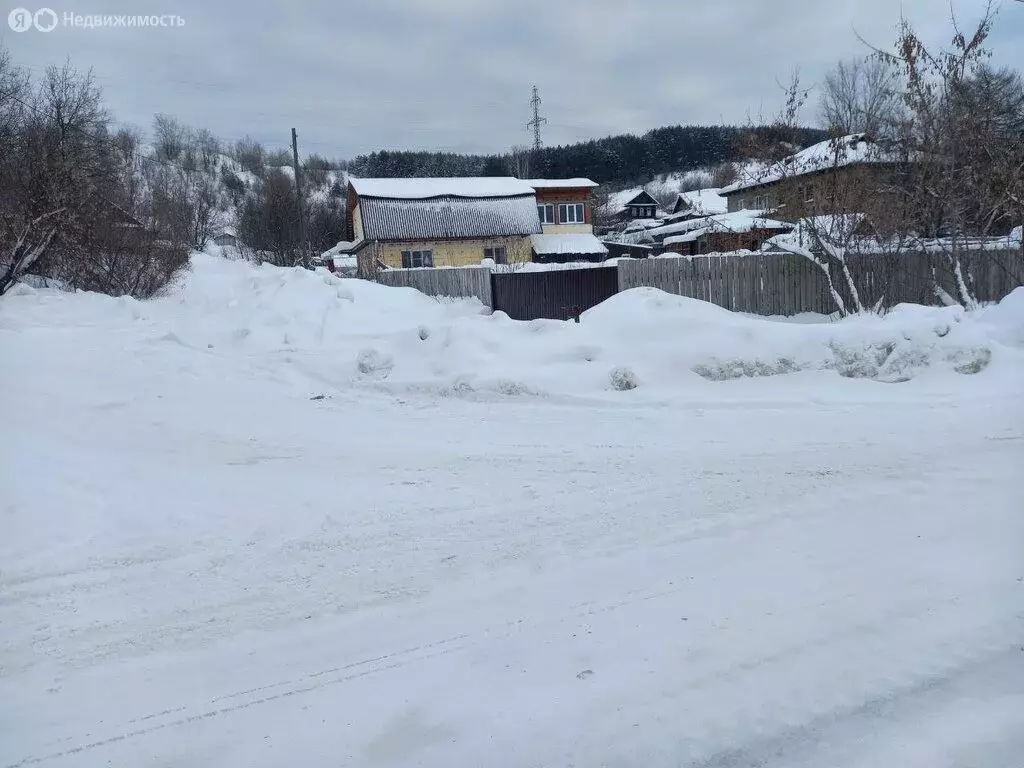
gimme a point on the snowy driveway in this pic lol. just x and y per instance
(371, 581)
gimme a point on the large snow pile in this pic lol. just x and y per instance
(341, 334)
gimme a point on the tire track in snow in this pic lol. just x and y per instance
(590, 609)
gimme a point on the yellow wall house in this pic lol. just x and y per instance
(441, 222)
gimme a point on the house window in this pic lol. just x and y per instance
(570, 213)
(546, 213)
(743, 204)
(498, 253)
(761, 202)
(412, 259)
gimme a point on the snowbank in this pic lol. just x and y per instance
(343, 334)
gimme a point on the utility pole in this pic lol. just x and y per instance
(298, 199)
(537, 120)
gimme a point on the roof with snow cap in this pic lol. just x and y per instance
(567, 244)
(426, 188)
(561, 183)
(701, 201)
(840, 152)
(737, 222)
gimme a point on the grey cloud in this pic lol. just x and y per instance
(456, 74)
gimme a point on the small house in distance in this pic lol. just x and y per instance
(433, 222)
(697, 203)
(631, 205)
(739, 231)
(226, 237)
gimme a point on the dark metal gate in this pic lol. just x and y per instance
(559, 294)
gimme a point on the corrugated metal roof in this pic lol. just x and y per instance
(448, 217)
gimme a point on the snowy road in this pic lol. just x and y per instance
(202, 566)
(537, 585)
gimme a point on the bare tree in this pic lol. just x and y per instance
(723, 175)
(964, 131)
(250, 155)
(209, 148)
(828, 226)
(520, 161)
(602, 218)
(268, 222)
(170, 138)
(72, 200)
(780, 138)
(29, 247)
(861, 96)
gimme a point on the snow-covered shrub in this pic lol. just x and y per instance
(623, 379)
(723, 370)
(969, 361)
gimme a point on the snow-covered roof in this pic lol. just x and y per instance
(230, 231)
(343, 246)
(439, 218)
(687, 237)
(567, 244)
(346, 262)
(737, 221)
(422, 189)
(637, 224)
(560, 183)
(832, 153)
(618, 201)
(702, 201)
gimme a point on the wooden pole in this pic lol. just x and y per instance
(298, 199)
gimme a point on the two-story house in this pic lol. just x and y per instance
(566, 212)
(433, 222)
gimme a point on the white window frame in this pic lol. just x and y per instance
(417, 259)
(546, 212)
(563, 210)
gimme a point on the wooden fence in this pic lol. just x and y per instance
(761, 283)
(786, 284)
(560, 294)
(460, 281)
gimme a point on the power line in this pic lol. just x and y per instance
(537, 120)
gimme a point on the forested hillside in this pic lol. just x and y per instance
(614, 160)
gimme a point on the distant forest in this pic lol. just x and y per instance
(616, 160)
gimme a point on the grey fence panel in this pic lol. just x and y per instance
(459, 282)
(786, 284)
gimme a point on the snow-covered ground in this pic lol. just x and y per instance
(278, 518)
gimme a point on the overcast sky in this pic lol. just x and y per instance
(456, 74)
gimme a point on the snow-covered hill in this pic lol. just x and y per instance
(277, 517)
